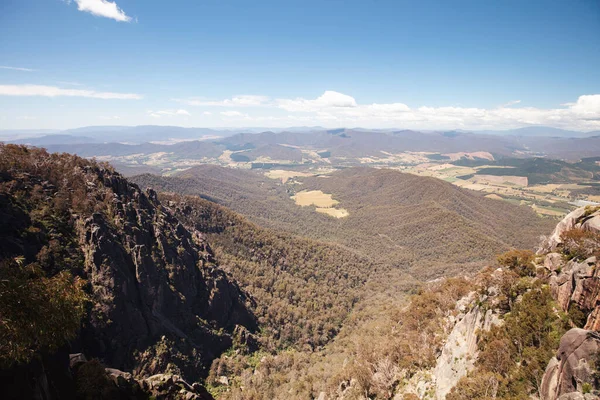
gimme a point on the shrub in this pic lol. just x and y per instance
(519, 261)
(36, 312)
(579, 244)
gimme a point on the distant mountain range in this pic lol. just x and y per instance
(535, 131)
(295, 144)
(149, 133)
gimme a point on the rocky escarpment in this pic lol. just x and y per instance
(575, 284)
(159, 296)
(158, 301)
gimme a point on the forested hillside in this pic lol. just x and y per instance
(420, 224)
(303, 289)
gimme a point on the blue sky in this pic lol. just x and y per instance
(371, 63)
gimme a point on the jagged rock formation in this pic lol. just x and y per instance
(573, 367)
(159, 303)
(158, 283)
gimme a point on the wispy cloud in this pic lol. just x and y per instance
(245, 100)
(53, 91)
(17, 68)
(169, 113)
(102, 8)
(511, 103)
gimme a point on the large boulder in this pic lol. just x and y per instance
(574, 369)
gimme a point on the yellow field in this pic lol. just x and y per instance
(314, 197)
(323, 201)
(516, 180)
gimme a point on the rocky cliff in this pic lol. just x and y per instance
(539, 297)
(575, 284)
(158, 301)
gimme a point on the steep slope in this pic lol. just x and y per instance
(395, 219)
(303, 289)
(159, 302)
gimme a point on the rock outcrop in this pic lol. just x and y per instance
(459, 353)
(460, 350)
(585, 218)
(575, 285)
(573, 371)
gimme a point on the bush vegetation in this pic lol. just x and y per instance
(42, 299)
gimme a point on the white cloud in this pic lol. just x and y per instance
(53, 91)
(339, 109)
(342, 110)
(108, 118)
(17, 68)
(245, 100)
(168, 113)
(329, 99)
(232, 113)
(102, 8)
(588, 105)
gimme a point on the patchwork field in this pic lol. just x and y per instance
(504, 179)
